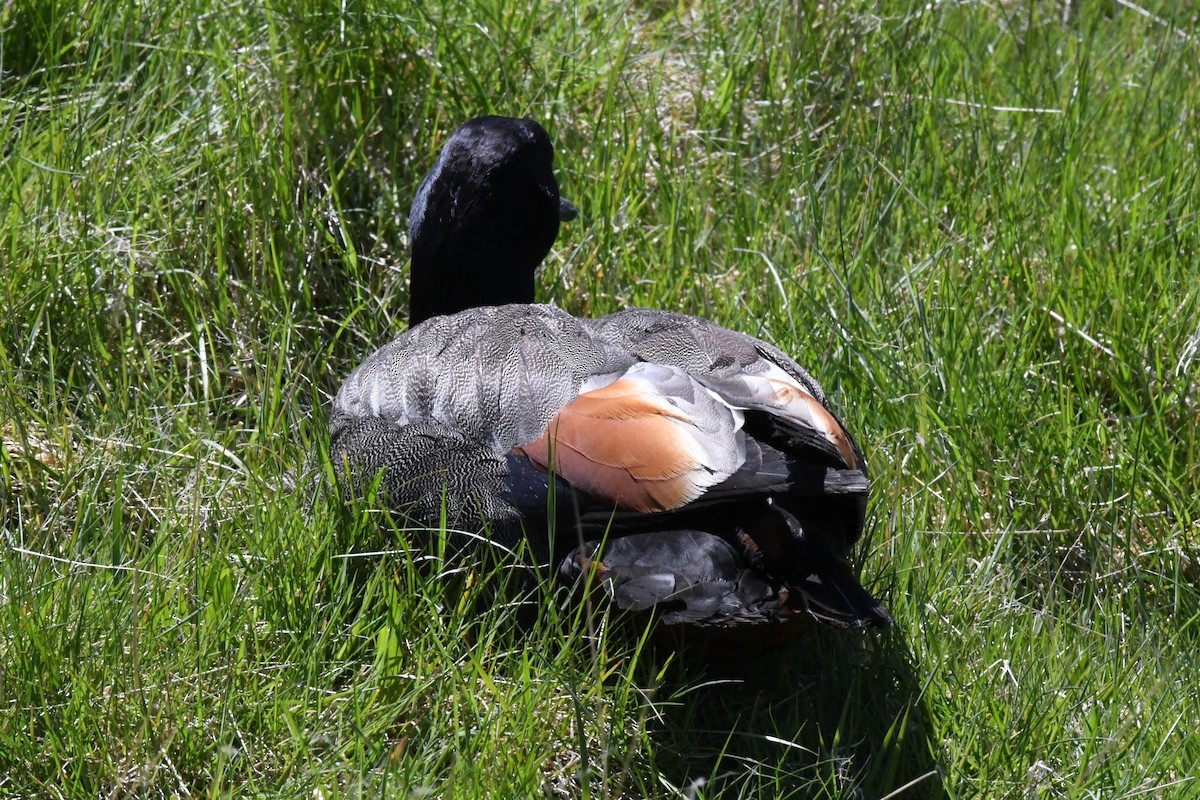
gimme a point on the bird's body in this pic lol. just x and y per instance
(686, 466)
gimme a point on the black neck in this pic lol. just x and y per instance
(483, 252)
(435, 290)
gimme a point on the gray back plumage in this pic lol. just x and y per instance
(436, 411)
(695, 344)
(498, 373)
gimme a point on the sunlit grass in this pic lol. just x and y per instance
(975, 223)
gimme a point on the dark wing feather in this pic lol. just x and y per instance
(690, 576)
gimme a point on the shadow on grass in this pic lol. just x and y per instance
(833, 714)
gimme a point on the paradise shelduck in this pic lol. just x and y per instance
(682, 466)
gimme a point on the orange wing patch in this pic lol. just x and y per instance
(625, 443)
(802, 405)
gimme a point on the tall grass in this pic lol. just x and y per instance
(976, 224)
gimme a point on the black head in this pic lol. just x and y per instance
(484, 218)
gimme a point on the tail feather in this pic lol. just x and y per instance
(834, 596)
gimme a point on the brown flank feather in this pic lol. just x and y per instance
(619, 443)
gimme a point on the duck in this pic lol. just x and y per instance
(677, 466)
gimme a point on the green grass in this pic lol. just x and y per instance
(977, 223)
